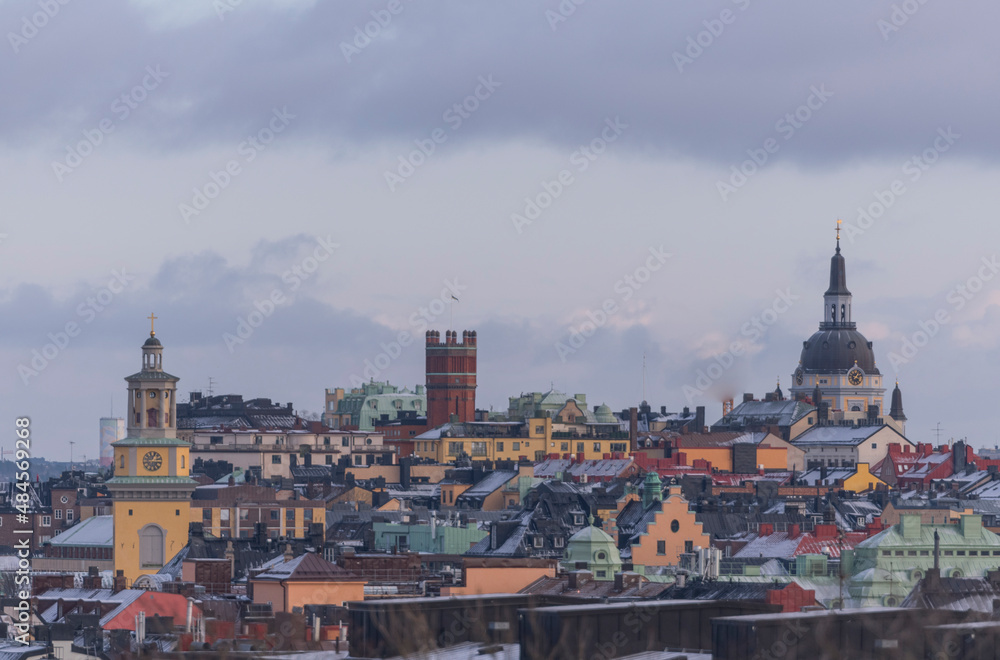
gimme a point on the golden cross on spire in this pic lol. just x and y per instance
(152, 327)
(839, 222)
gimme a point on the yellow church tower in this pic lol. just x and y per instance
(151, 488)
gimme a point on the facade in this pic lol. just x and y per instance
(305, 580)
(593, 550)
(151, 488)
(848, 444)
(234, 511)
(275, 451)
(739, 451)
(886, 567)
(666, 530)
(86, 544)
(112, 430)
(451, 377)
(532, 440)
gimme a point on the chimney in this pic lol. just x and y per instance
(118, 582)
(633, 428)
(747, 396)
(619, 583)
(766, 529)
(793, 531)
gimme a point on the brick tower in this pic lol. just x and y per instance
(451, 377)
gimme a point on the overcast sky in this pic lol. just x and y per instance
(342, 166)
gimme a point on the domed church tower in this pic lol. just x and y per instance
(837, 360)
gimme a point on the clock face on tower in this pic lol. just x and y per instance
(854, 378)
(152, 461)
(798, 376)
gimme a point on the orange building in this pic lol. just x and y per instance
(506, 575)
(741, 452)
(667, 529)
(306, 580)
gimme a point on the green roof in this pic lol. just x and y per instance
(152, 481)
(140, 442)
(950, 535)
(151, 375)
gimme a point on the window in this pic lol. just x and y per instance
(661, 547)
(58, 513)
(357, 459)
(949, 553)
(46, 521)
(619, 447)
(307, 515)
(258, 439)
(329, 459)
(224, 515)
(961, 553)
(500, 445)
(675, 526)
(516, 446)
(121, 462)
(275, 514)
(244, 514)
(206, 514)
(290, 515)
(215, 440)
(911, 553)
(275, 459)
(454, 448)
(601, 574)
(151, 546)
(874, 444)
(558, 542)
(563, 446)
(579, 447)
(69, 514)
(973, 553)
(344, 442)
(539, 541)
(597, 447)
(479, 449)
(326, 440)
(688, 546)
(925, 553)
(182, 461)
(539, 430)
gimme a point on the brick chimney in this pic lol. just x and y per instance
(766, 529)
(793, 531)
(118, 582)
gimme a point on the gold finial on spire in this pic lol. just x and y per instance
(152, 327)
(839, 222)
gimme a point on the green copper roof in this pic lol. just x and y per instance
(151, 375)
(142, 442)
(152, 481)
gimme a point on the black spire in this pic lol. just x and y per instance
(838, 271)
(896, 410)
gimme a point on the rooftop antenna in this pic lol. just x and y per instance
(937, 432)
(71, 443)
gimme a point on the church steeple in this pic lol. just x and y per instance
(896, 409)
(837, 299)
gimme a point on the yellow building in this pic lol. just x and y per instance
(151, 488)
(532, 440)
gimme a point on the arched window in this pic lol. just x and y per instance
(182, 461)
(121, 462)
(152, 418)
(151, 546)
(843, 312)
(833, 313)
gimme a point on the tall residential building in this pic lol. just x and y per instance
(112, 430)
(451, 377)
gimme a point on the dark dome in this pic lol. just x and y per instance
(836, 350)
(152, 341)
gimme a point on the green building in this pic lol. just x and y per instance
(593, 546)
(423, 537)
(885, 567)
(365, 406)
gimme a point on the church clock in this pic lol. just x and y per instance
(152, 461)
(855, 378)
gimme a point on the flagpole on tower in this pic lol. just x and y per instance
(451, 313)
